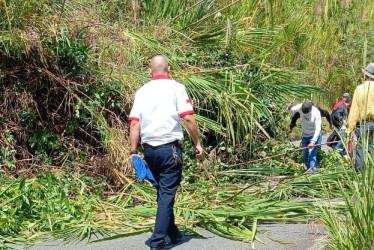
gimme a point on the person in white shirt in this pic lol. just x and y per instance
(159, 108)
(311, 125)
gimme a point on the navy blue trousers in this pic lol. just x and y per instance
(165, 163)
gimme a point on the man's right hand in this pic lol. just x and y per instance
(199, 152)
(311, 145)
(289, 106)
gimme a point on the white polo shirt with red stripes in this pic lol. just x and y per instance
(159, 106)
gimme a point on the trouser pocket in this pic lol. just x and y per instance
(177, 155)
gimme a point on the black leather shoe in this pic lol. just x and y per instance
(162, 246)
(177, 239)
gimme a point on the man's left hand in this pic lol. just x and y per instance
(311, 145)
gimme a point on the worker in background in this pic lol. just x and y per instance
(339, 119)
(159, 108)
(335, 136)
(342, 101)
(340, 115)
(311, 123)
(296, 116)
(361, 116)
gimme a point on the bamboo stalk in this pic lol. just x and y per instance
(7, 15)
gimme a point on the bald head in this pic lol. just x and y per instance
(159, 65)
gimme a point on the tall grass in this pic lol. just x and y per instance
(353, 227)
(222, 60)
(226, 52)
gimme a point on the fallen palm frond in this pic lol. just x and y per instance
(72, 209)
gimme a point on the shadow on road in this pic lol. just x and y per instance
(186, 238)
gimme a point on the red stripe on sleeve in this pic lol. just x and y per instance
(191, 112)
(133, 119)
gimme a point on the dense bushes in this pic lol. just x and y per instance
(53, 107)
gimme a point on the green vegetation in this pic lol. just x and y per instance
(352, 228)
(68, 73)
(74, 206)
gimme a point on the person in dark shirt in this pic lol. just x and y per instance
(342, 101)
(296, 116)
(340, 115)
(339, 119)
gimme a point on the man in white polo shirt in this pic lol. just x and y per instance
(159, 107)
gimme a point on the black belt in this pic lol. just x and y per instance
(175, 143)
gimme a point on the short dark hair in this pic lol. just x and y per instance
(307, 106)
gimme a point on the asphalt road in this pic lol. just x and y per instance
(297, 236)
